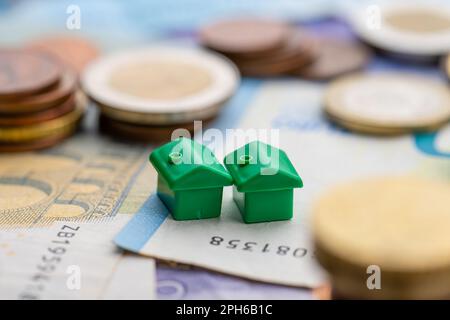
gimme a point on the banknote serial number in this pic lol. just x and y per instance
(251, 246)
(49, 262)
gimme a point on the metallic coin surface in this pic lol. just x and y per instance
(142, 133)
(412, 27)
(244, 36)
(39, 144)
(42, 100)
(389, 100)
(334, 58)
(25, 72)
(297, 52)
(162, 119)
(75, 52)
(26, 119)
(399, 224)
(166, 80)
(56, 126)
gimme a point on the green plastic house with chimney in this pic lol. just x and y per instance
(190, 179)
(264, 180)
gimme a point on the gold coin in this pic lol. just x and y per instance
(400, 224)
(389, 100)
(61, 125)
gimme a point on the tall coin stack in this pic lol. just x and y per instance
(38, 103)
(145, 94)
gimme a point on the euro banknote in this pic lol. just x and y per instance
(323, 154)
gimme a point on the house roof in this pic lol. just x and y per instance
(186, 164)
(261, 167)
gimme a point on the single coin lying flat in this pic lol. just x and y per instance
(412, 27)
(389, 100)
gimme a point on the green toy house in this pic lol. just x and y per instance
(190, 179)
(264, 180)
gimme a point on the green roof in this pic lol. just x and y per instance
(186, 164)
(261, 167)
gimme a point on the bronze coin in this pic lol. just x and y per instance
(334, 58)
(43, 100)
(244, 36)
(142, 133)
(43, 143)
(75, 52)
(25, 72)
(298, 51)
(41, 116)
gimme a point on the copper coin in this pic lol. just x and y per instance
(334, 58)
(244, 36)
(141, 133)
(297, 52)
(24, 72)
(43, 143)
(43, 100)
(41, 116)
(73, 51)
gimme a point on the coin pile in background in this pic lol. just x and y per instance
(408, 30)
(145, 94)
(75, 52)
(264, 48)
(387, 103)
(38, 103)
(393, 228)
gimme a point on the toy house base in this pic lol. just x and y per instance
(264, 206)
(191, 204)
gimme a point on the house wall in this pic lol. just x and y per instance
(198, 204)
(166, 195)
(268, 205)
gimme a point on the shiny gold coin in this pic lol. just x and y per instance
(399, 224)
(56, 126)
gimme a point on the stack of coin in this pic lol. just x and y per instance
(387, 103)
(407, 29)
(335, 57)
(38, 106)
(385, 238)
(260, 47)
(145, 94)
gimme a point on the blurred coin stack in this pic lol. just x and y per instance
(387, 103)
(38, 102)
(145, 94)
(264, 48)
(385, 238)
